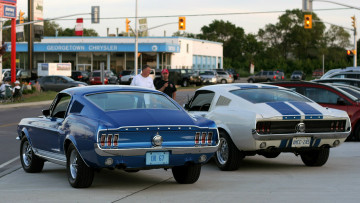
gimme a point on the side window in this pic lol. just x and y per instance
(271, 73)
(321, 95)
(61, 105)
(351, 76)
(201, 101)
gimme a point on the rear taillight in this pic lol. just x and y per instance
(209, 139)
(263, 127)
(197, 138)
(282, 77)
(109, 139)
(203, 138)
(274, 76)
(102, 140)
(115, 141)
(80, 76)
(337, 126)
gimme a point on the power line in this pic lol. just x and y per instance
(208, 14)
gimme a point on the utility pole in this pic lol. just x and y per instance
(30, 32)
(136, 40)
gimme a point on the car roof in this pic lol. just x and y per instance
(105, 88)
(236, 86)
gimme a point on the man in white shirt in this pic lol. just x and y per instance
(3, 88)
(143, 79)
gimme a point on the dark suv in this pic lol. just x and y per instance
(264, 76)
(78, 75)
(184, 77)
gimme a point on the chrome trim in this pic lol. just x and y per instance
(50, 156)
(327, 135)
(142, 151)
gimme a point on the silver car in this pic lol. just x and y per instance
(224, 77)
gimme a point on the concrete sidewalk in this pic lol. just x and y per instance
(283, 179)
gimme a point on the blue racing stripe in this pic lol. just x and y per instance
(283, 143)
(309, 111)
(283, 108)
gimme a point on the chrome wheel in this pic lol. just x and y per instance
(222, 153)
(27, 154)
(73, 164)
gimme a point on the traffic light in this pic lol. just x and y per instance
(351, 52)
(182, 23)
(127, 25)
(308, 21)
(21, 17)
(353, 21)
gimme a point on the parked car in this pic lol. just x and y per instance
(184, 77)
(331, 96)
(116, 127)
(298, 75)
(317, 73)
(264, 76)
(58, 83)
(21, 75)
(345, 81)
(78, 75)
(207, 76)
(342, 73)
(268, 120)
(234, 73)
(126, 76)
(224, 77)
(95, 78)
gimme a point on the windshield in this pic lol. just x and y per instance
(264, 95)
(114, 101)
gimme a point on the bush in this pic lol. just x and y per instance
(27, 91)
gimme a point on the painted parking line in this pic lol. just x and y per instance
(7, 125)
(9, 162)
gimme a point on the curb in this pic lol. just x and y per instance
(6, 106)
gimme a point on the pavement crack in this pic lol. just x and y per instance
(141, 190)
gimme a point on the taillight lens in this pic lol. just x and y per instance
(274, 76)
(102, 140)
(203, 138)
(197, 138)
(115, 141)
(109, 139)
(210, 135)
(263, 127)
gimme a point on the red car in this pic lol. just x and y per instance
(95, 79)
(341, 97)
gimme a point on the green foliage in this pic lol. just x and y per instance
(27, 91)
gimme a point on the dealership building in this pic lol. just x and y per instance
(117, 53)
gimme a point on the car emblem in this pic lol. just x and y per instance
(300, 127)
(157, 140)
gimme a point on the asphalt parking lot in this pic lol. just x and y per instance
(284, 179)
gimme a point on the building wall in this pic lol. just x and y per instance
(197, 54)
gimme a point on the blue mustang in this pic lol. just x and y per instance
(124, 127)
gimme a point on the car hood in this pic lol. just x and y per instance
(148, 117)
(292, 110)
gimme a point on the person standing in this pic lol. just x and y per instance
(143, 79)
(3, 88)
(166, 86)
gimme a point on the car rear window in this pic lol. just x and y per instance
(264, 95)
(114, 101)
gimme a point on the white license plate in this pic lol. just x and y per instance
(157, 158)
(301, 142)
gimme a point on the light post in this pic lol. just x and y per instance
(136, 41)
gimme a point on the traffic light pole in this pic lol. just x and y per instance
(355, 48)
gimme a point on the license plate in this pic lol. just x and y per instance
(157, 158)
(300, 142)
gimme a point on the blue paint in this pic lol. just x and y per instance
(309, 111)
(283, 108)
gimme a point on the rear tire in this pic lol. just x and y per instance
(227, 157)
(223, 81)
(185, 83)
(251, 81)
(29, 161)
(79, 174)
(315, 157)
(187, 174)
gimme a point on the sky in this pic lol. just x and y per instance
(251, 22)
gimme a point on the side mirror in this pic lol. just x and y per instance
(340, 101)
(46, 112)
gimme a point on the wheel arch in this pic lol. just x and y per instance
(71, 140)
